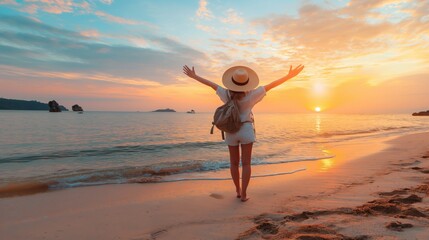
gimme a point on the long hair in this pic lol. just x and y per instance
(237, 95)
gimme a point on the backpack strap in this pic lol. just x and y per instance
(211, 131)
(253, 122)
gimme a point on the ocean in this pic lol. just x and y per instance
(69, 149)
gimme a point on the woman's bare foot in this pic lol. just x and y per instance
(244, 198)
(238, 193)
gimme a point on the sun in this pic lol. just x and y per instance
(317, 109)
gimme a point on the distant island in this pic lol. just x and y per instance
(421, 113)
(164, 110)
(15, 104)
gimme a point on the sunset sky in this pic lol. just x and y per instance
(360, 56)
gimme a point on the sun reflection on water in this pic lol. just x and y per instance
(318, 123)
(327, 163)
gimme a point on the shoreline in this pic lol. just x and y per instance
(209, 209)
(146, 174)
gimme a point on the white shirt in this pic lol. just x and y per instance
(245, 104)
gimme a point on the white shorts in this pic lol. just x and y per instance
(245, 135)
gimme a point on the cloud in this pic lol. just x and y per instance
(70, 6)
(35, 27)
(11, 72)
(8, 2)
(40, 47)
(235, 32)
(363, 8)
(206, 28)
(203, 12)
(346, 36)
(319, 31)
(232, 17)
(90, 33)
(120, 20)
(108, 2)
(57, 7)
(31, 8)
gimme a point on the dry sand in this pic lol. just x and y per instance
(370, 190)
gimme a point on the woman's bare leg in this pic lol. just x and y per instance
(246, 156)
(234, 159)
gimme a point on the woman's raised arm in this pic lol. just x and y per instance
(292, 73)
(191, 73)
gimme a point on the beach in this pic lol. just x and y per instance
(369, 190)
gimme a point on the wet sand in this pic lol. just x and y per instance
(369, 190)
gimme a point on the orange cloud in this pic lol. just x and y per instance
(15, 71)
(57, 7)
(203, 12)
(90, 33)
(120, 20)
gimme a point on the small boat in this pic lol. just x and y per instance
(192, 111)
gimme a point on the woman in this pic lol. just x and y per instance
(241, 83)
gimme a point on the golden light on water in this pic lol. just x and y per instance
(318, 121)
(326, 163)
(317, 109)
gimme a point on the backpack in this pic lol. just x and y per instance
(227, 117)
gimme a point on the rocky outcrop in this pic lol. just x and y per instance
(165, 110)
(77, 108)
(54, 106)
(421, 113)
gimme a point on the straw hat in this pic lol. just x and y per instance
(240, 79)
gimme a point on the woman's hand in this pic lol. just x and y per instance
(295, 71)
(190, 73)
(292, 73)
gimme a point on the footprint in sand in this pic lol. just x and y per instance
(422, 170)
(216, 195)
